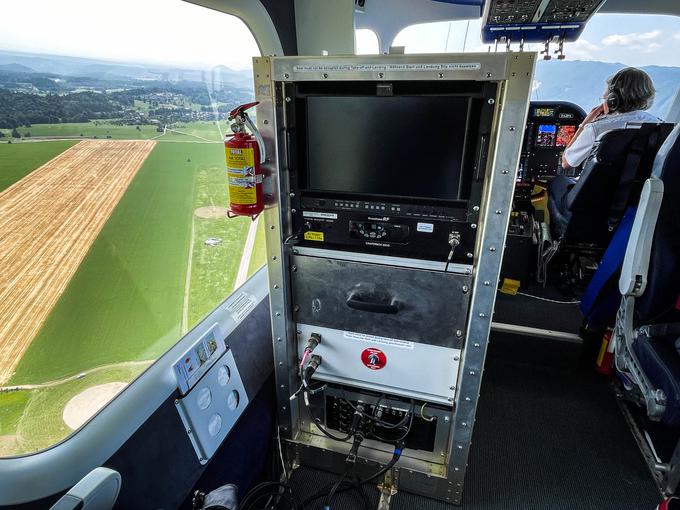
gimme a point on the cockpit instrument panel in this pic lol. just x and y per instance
(550, 128)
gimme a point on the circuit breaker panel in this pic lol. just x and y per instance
(388, 186)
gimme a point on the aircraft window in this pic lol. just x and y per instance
(114, 238)
(608, 43)
(366, 42)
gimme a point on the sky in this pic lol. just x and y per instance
(177, 33)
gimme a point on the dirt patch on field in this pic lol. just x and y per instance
(9, 445)
(48, 221)
(211, 212)
(86, 404)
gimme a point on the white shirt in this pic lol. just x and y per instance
(580, 149)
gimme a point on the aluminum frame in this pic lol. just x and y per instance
(514, 74)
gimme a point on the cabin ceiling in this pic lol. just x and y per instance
(647, 7)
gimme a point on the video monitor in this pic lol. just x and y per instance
(564, 135)
(411, 146)
(545, 137)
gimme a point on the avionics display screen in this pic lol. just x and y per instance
(564, 135)
(544, 112)
(397, 145)
(545, 137)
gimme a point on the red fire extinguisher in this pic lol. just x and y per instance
(245, 153)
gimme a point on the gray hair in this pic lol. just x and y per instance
(634, 88)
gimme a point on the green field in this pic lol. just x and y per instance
(186, 131)
(36, 415)
(214, 268)
(259, 256)
(126, 301)
(19, 159)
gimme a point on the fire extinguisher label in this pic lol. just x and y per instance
(242, 178)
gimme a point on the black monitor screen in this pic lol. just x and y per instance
(406, 145)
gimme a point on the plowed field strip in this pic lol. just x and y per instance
(48, 220)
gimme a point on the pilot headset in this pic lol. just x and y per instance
(614, 96)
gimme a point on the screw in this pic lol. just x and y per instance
(325, 75)
(272, 227)
(472, 372)
(475, 208)
(498, 211)
(473, 226)
(189, 431)
(504, 172)
(488, 75)
(493, 248)
(265, 121)
(288, 100)
(491, 101)
(469, 255)
(459, 333)
(441, 75)
(176, 402)
(380, 75)
(291, 195)
(482, 315)
(487, 283)
(294, 269)
(278, 314)
(274, 257)
(276, 286)
(286, 75)
(476, 344)
(511, 128)
(465, 289)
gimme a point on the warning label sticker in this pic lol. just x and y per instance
(241, 174)
(392, 342)
(313, 236)
(434, 66)
(327, 215)
(241, 306)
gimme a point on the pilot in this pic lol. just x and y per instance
(629, 93)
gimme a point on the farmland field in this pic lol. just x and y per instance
(48, 221)
(19, 159)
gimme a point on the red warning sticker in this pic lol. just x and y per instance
(373, 358)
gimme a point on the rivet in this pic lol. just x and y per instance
(452, 388)
(482, 315)
(488, 75)
(278, 339)
(189, 431)
(201, 459)
(274, 257)
(286, 75)
(469, 255)
(468, 271)
(487, 283)
(441, 75)
(446, 419)
(283, 408)
(491, 101)
(498, 211)
(472, 372)
(504, 172)
(475, 208)
(325, 75)
(492, 248)
(476, 344)
(278, 314)
(450, 399)
(265, 121)
(293, 211)
(297, 308)
(456, 469)
(465, 289)
(288, 100)
(291, 195)
(473, 226)
(381, 75)
(272, 227)
(276, 286)
(176, 402)
(283, 386)
(511, 128)
(280, 363)
(459, 333)
(294, 269)
(460, 447)
(464, 424)
(467, 399)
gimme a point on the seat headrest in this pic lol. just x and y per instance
(667, 162)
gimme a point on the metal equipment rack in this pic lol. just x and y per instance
(513, 74)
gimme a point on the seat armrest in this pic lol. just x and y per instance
(98, 490)
(633, 280)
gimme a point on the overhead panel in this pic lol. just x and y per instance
(536, 20)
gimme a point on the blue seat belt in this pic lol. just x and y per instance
(596, 308)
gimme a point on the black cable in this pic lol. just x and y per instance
(332, 436)
(270, 490)
(331, 494)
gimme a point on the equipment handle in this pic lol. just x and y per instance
(359, 302)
